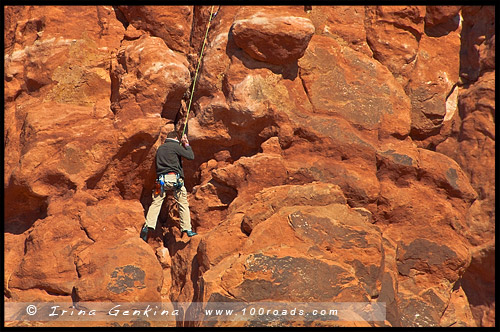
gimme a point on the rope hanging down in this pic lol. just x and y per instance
(197, 69)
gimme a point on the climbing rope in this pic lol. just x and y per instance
(197, 68)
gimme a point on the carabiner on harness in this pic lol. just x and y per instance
(161, 179)
(180, 182)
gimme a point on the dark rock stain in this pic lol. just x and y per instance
(126, 278)
(292, 278)
(421, 254)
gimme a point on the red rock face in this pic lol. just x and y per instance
(274, 35)
(342, 154)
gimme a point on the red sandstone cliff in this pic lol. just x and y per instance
(343, 154)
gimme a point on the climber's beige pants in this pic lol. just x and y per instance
(180, 196)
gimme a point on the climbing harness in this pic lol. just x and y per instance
(161, 180)
(198, 66)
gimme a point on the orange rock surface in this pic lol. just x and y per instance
(342, 154)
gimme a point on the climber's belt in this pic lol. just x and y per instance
(178, 185)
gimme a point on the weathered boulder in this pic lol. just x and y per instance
(276, 35)
(458, 312)
(121, 270)
(170, 23)
(48, 263)
(429, 262)
(432, 84)
(266, 201)
(406, 173)
(345, 23)
(111, 218)
(149, 79)
(241, 179)
(336, 79)
(66, 49)
(435, 15)
(441, 20)
(393, 34)
(307, 251)
(76, 154)
(91, 155)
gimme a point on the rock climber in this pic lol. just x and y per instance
(170, 177)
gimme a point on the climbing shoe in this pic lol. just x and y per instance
(144, 233)
(189, 233)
